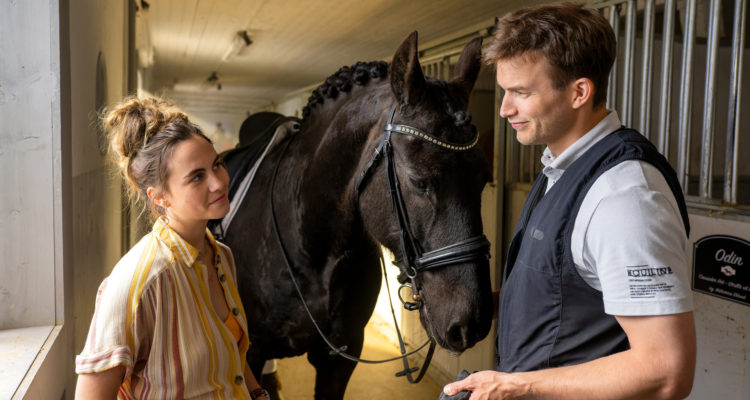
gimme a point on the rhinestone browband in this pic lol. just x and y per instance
(409, 130)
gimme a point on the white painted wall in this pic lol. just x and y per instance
(292, 104)
(35, 200)
(29, 109)
(95, 26)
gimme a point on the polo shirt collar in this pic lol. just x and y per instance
(181, 249)
(555, 166)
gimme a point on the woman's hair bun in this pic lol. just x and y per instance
(133, 122)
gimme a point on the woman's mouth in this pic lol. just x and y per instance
(219, 200)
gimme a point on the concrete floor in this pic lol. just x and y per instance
(369, 381)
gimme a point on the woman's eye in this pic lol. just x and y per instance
(196, 177)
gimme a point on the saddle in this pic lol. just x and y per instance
(256, 133)
(256, 136)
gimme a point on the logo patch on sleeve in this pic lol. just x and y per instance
(644, 282)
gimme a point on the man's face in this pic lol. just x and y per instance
(540, 113)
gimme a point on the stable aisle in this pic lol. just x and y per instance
(369, 381)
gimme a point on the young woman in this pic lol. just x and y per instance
(168, 321)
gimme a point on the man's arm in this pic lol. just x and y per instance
(660, 364)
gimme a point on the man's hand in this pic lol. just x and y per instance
(486, 385)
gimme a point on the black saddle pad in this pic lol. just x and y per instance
(256, 133)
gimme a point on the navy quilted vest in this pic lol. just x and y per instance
(548, 315)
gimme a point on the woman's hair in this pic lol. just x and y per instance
(143, 134)
(576, 41)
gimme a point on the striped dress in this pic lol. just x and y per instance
(154, 316)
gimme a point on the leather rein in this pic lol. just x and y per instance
(413, 260)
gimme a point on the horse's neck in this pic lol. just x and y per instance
(338, 131)
(335, 138)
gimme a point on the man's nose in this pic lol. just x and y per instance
(506, 107)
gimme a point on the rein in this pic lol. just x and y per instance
(413, 259)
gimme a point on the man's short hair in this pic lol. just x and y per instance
(577, 42)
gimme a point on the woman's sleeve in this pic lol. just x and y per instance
(117, 337)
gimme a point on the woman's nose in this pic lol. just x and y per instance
(218, 180)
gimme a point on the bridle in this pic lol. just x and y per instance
(413, 260)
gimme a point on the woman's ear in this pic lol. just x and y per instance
(157, 196)
(583, 92)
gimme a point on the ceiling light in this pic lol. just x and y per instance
(211, 81)
(240, 41)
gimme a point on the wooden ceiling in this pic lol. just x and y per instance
(295, 43)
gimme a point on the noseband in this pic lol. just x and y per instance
(413, 260)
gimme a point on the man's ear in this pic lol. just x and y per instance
(157, 196)
(582, 92)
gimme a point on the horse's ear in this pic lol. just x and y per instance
(407, 80)
(468, 66)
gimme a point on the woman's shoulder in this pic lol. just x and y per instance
(140, 266)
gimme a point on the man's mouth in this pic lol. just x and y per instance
(518, 125)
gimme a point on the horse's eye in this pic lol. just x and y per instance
(423, 185)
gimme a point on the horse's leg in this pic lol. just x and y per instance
(351, 309)
(333, 371)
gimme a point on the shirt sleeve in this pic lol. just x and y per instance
(636, 245)
(113, 339)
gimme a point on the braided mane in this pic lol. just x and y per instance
(342, 81)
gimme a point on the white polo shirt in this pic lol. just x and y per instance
(628, 240)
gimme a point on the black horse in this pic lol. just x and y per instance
(331, 231)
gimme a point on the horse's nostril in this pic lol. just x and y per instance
(458, 335)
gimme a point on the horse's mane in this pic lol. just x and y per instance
(342, 81)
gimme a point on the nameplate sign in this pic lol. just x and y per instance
(721, 268)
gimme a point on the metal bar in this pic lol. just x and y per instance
(709, 102)
(647, 75)
(665, 95)
(686, 96)
(629, 60)
(614, 20)
(735, 100)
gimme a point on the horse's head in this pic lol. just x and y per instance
(441, 176)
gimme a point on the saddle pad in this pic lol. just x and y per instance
(242, 163)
